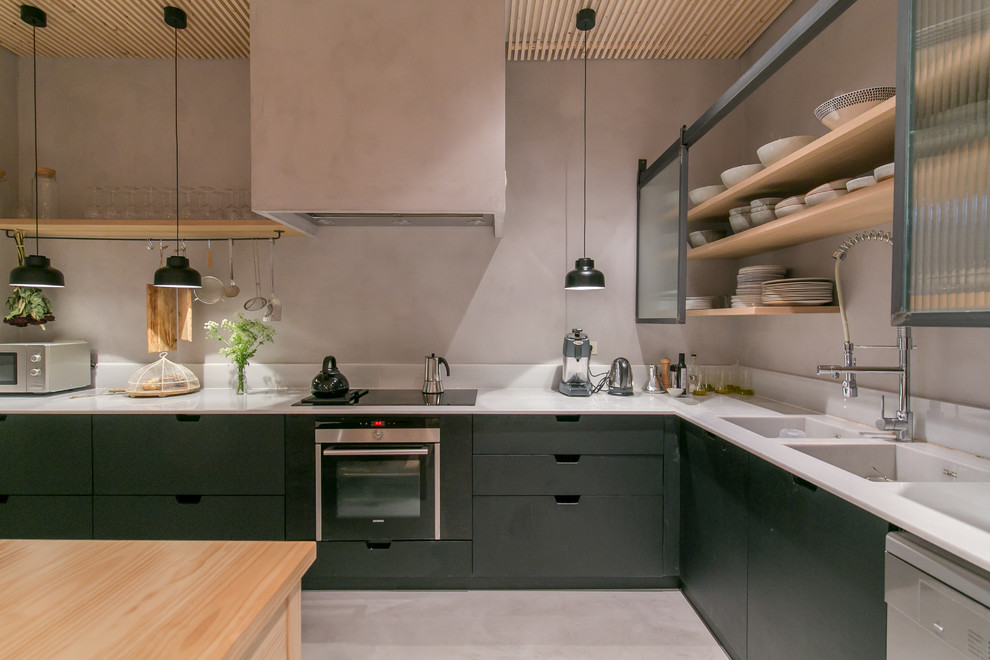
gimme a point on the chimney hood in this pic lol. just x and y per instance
(386, 113)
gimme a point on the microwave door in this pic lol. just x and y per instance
(11, 371)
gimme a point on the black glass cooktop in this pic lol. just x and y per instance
(395, 398)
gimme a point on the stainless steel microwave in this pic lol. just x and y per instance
(43, 367)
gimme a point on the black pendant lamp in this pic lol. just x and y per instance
(37, 271)
(177, 274)
(585, 277)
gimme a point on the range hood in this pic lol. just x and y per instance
(387, 113)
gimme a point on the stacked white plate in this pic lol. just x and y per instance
(749, 283)
(798, 291)
(761, 210)
(788, 206)
(826, 192)
(700, 302)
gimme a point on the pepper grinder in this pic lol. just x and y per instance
(665, 372)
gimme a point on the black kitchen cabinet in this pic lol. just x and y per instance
(189, 477)
(714, 534)
(569, 501)
(46, 476)
(188, 455)
(390, 565)
(816, 571)
(189, 517)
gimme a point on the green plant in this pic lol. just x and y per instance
(27, 306)
(244, 337)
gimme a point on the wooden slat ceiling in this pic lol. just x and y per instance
(534, 29)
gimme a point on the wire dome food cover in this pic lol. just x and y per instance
(162, 378)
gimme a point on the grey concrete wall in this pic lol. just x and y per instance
(8, 128)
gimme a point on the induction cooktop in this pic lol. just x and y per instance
(395, 398)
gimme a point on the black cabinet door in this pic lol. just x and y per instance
(188, 455)
(568, 434)
(816, 568)
(46, 455)
(211, 517)
(568, 536)
(713, 534)
(46, 517)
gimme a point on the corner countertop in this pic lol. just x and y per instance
(965, 532)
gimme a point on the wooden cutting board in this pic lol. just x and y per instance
(169, 317)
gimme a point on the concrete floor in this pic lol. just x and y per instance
(437, 625)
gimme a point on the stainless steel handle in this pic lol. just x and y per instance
(412, 451)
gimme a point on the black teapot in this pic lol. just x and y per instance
(329, 382)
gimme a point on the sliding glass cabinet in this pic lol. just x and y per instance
(942, 217)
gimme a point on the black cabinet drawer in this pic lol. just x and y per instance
(549, 536)
(574, 474)
(210, 517)
(46, 455)
(189, 454)
(398, 559)
(46, 517)
(568, 434)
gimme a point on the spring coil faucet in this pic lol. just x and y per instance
(901, 423)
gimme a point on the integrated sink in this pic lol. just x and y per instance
(886, 461)
(797, 426)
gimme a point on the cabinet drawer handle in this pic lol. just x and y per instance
(187, 418)
(567, 459)
(188, 499)
(568, 418)
(4, 498)
(383, 545)
(567, 499)
(804, 483)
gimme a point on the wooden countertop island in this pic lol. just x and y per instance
(151, 599)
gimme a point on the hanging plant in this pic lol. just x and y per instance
(27, 306)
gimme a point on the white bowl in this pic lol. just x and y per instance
(822, 197)
(675, 391)
(838, 110)
(884, 172)
(736, 175)
(705, 193)
(703, 236)
(861, 182)
(785, 211)
(777, 150)
(838, 184)
(790, 201)
(739, 209)
(740, 222)
(762, 217)
(765, 201)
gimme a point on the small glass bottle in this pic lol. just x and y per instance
(48, 202)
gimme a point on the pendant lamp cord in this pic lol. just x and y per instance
(34, 72)
(175, 61)
(584, 233)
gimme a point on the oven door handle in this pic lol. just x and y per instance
(412, 451)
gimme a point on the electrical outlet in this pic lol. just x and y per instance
(594, 346)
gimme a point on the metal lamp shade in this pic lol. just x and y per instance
(37, 273)
(584, 277)
(176, 274)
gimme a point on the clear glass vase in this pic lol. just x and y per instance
(241, 386)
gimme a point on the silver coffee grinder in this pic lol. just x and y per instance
(575, 380)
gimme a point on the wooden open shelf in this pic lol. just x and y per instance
(857, 210)
(859, 145)
(764, 311)
(163, 229)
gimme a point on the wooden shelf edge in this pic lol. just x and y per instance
(879, 118)
(764, 311)
(154, 229)
(857, 210)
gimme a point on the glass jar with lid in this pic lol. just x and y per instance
(48, 201)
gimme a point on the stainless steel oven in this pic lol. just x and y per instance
(377, 479)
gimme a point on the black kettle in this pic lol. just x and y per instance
(329, 382)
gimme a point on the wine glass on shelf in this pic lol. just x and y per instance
(97, 208)
(130, 202)
(115, 210)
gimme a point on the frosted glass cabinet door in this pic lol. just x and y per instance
(661, 262)
(942, 218)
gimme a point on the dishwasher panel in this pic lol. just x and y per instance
(932, 611)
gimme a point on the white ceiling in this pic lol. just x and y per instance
(534, 29)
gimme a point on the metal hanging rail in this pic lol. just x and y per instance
(277, 235)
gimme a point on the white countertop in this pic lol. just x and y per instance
(965, 533)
